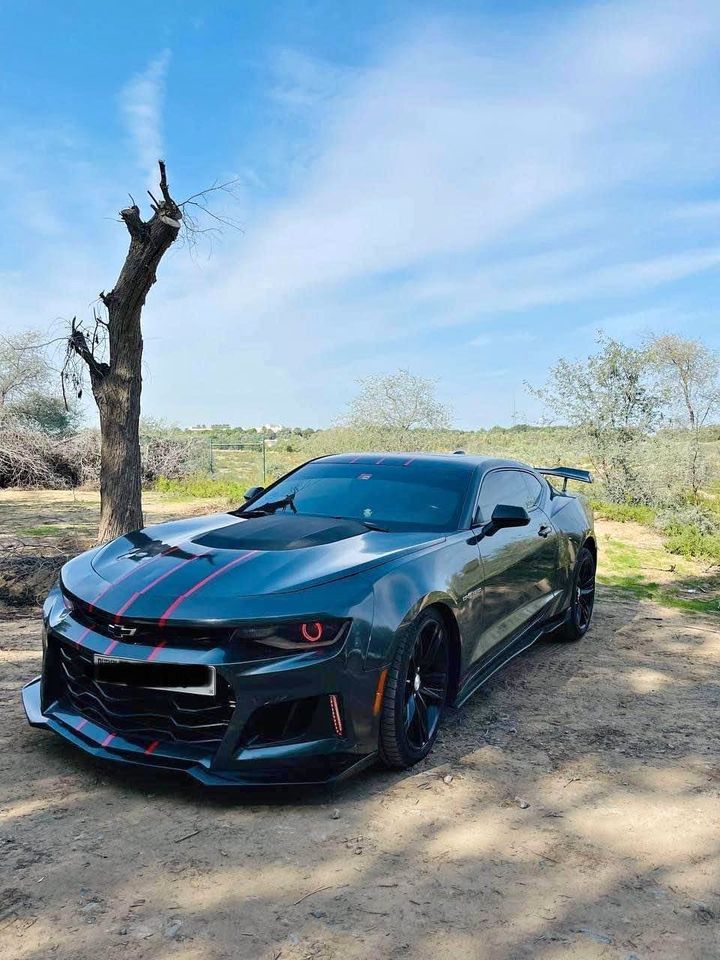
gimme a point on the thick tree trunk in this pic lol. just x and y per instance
(118, 399)
(117, 383)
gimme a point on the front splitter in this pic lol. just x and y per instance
(129, 754)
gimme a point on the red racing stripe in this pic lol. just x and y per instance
(80, 724)
(108, 740)
(156, 650)
(110, 647)
(151, 747)
(201, 583)
(109, 587)
(139, 593)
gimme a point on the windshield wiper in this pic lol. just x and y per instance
(365, 523)
(269, 508)
(373, 526)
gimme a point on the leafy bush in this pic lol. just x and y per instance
(541, 446)
(47, 412)
(691, 530)
(201, 485)
(690, 541)
(693, 515)
(638, 512)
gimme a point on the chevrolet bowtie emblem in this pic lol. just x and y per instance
(118, 632)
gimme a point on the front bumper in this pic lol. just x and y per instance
(296, 768)
(161, 730)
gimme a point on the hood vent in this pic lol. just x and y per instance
(281, 532)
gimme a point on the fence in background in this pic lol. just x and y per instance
(258, 445)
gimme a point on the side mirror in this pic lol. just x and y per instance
(253, 492)
(505, 515)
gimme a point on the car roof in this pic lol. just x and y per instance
(460, 461)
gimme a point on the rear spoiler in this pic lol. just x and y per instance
(567, 473)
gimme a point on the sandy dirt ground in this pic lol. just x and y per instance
(571, 810)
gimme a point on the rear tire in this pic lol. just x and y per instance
(583, 599)
(415, 693)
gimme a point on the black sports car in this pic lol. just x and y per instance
(326, 623)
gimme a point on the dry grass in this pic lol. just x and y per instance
(41, 529)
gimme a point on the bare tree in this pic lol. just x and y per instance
(397, 401)
(690, 374)
(111, 351)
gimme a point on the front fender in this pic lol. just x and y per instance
(403, 592)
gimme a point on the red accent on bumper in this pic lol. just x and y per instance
(336, 718)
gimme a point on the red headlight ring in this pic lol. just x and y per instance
(312, 632)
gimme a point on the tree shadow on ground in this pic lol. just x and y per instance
(580, 821)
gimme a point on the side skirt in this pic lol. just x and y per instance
(499, 657)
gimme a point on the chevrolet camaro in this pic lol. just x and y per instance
(327, 623)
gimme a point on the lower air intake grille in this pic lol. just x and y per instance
(137, 712)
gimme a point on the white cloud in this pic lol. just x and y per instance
(141, 104)
(465, 175)
(301, 81)
(462, 175)
(454, 149)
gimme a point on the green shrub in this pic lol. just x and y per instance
(688, 540)
(704, 520)
(689, 531)
(199, 485)
(623, 511)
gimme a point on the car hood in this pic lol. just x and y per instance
(222, 558)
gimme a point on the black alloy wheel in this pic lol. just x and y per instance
(583, 598)
(415, 693)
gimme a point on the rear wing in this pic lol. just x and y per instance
(567, 473)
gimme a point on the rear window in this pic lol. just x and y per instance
(416, 497)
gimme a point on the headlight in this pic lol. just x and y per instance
(299, 635)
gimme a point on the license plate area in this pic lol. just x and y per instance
(171, 677)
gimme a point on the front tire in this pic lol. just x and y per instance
(583, 598)
(415, 693)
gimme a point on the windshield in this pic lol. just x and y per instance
(426, 496)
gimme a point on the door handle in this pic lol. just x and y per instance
(544, 530)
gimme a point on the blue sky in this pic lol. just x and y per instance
(469, 190)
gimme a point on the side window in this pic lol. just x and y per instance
(534, 488)
(502, 486)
